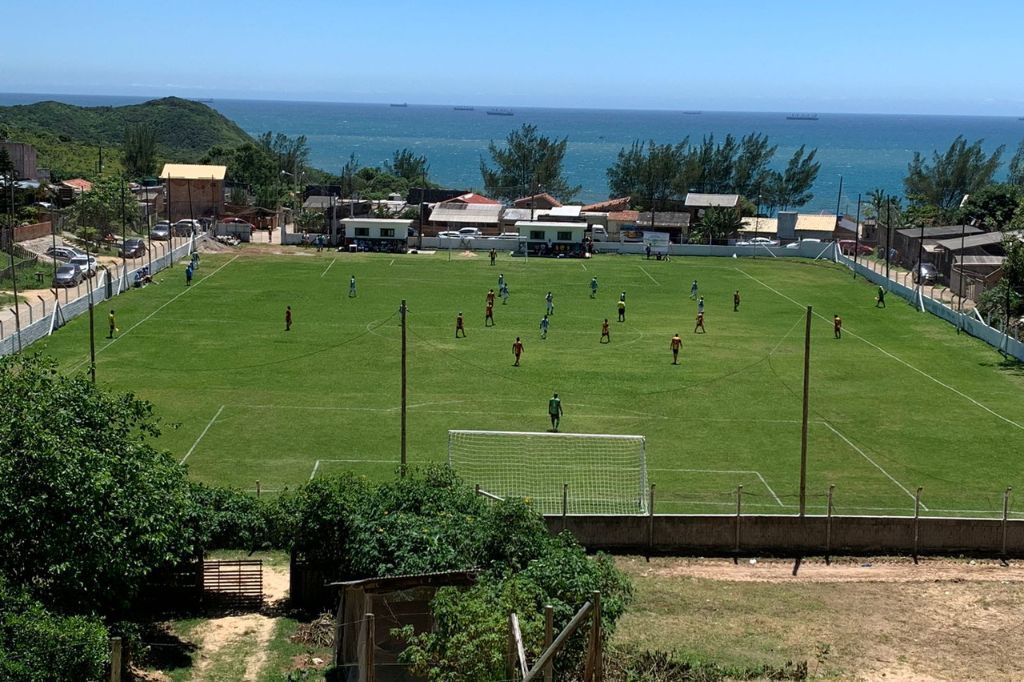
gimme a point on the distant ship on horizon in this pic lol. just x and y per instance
(403, 104)
(464, 109)
(802, 117)
(691, 113)
(499, 112)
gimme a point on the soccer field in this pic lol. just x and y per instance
(900, 401)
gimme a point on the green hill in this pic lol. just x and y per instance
(68, 137)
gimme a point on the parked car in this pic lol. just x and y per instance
(758, 241)
(234, 219)
(449, 234)
(161, 232)
(470, 232)
(132, 248)
(186, 227)
(598, 233)
(508, 235)
(796, 245)
(925, 273)
(849, 246)
(86, 265)
(64, 253)
(67, 276)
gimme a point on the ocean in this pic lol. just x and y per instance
(868, 151)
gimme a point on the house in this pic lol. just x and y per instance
(543, 200)
(388, 235)
(675, 223)
(619, 222)
(150, 200)
(609, 206)
(696, 203)
(756, 226)
(395, 602)
(906, 242)
(983, 251)
(77, 185)
(471, 198)
(970, 276)
(193, 190)
(551, 238)
(793, 226)
(466, 211)
(23, 156)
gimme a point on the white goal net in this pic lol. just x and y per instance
(600, 474)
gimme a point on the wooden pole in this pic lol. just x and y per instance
(739, 512)
(549, 635)
(404, 392)
(371, 643)
(559, 642)
(828, 525)
(1006, 515)
(592, 672)
(917, 519)
(517, 641)
(115, 659)
(650, 524)
(803, 427)
(565, 504)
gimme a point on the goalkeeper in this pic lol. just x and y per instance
(555, 411)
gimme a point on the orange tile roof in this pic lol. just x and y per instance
(78, 183)
(472, 198)
(620, 204)
(624, 215)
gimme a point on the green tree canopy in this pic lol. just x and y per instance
(109, 205)
(792, 187)
(993, 206)
(139, 152)
(527, 162)
(88, 508)
(405, 164)
(1016, 176)
(717, 223)
(941, 185)
(647, 172)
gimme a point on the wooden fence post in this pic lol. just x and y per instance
(739, 512)
(115, 659)
(549, 634)
(593, 670)
(1006, 515)
(828, 525)
(917, 520)
(371, 643)
(650, 523)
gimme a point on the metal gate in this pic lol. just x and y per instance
(233, 583)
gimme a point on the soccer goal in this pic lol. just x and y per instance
(604, 474)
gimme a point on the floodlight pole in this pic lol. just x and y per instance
(888, 238)
(960, 293)
(403, 312)
(856, 238)
(124, 236)
(803, 427)
(14, 269)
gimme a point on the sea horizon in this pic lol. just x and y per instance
(868, 150)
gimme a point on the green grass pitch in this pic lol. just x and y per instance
(900, 401)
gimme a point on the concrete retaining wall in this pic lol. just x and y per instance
(791, 535)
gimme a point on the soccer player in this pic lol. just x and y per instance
(622, 310)
(593, 287)
(489, 314)
(460, 326)
(517, 350)
(550, 300)
(880, 299)
(188, 275)
(736, 301)
(605, 334)
(700, 324)
(288, 319)
(544, 327)
(494, 256)
(555, 411)
(112, 322)
(504, 293)
(501, 280)
(676, 344)
(352, 286)
(837, 325)
(700, 305)
(622, 297)
(693, 290)
(490, 297)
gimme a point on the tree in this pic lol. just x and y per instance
(942, 184)
(1016, 176)
(102, 207)
(647, 172)
(405, 164)
(88, 508)
(791, 188)
(291, 154)
(994, 206)
(750, 170)
(528, 162)
(139, 153)
(718, 223)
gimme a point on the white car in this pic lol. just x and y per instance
(448, 234)
(763, 241)
(470, 232)
(86, 265)
(508, 235)
(796, 245)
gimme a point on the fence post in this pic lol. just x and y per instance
(650, 523)
(115, 659)
(592, 670)
(917, 519)
(257, 489)
(565, 504)
(1006, 515)
(739, 512)
(828, 525)
(44, 304)
(549, 634)
(371, 674)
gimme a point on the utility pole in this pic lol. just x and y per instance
(124, 236)
(888, 237)
(856, 238)
(92, 325)
(403, 311)
(803, 428)
(10, 246)
(960, 293)
(839, 199)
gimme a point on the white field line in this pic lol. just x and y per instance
(316, 467)
(649, 275)
(583, 265)
(873, 463)
(726, 471)
(897, 359)
(147, 317)
(328, 267)
(991, 513)
(392, 262)
(208, 425)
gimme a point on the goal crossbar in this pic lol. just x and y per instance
(580, 473)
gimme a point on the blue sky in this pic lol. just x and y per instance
(897, 56)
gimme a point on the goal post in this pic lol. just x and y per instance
(603, 473)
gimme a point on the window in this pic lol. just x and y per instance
(537, 235)
(387, 232)
(565, 236)
(362, 232)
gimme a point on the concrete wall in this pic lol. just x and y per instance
(25, 232)
(791, 535)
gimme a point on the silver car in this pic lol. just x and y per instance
(67, 276)
(86, 265)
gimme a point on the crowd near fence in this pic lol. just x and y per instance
(39, 321)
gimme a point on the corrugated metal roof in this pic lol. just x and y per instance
(517, 214)
(192, 171)
(711, 200)
(564, 211)
(664, 219)
(465, 213)
(760, 225)
(815, 222)
(979, 260)
(983, 239)
(938, 232)
(538, 225)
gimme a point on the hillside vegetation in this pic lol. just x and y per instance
(67, 137)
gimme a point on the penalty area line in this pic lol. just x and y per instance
(873, 462)
(728, 471)
(333, 260)
(208, 425)
(894, 357)
(316, 466)
(649, 275)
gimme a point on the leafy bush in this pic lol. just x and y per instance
(38, 645)
(231, 519)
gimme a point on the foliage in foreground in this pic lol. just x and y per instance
(38, 645)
